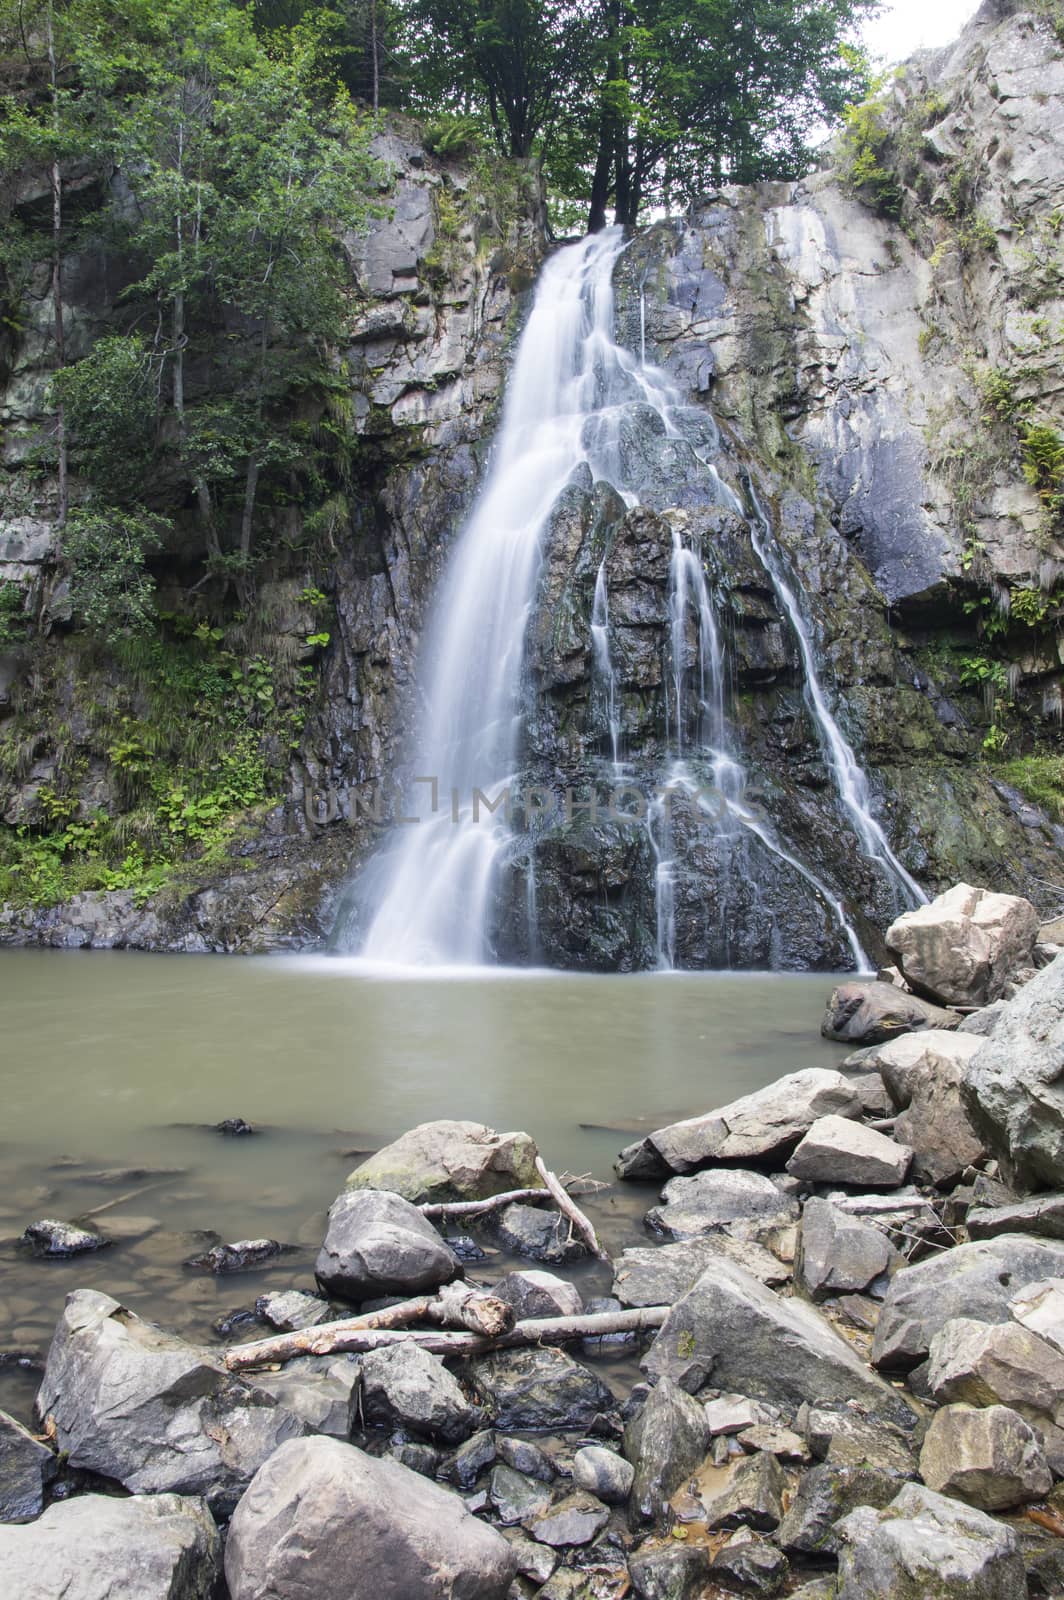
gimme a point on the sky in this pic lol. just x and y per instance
(908, 25)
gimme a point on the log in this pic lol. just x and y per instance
(567, 1206)
(457, 1305)
(476, 1208)
(332, 1338)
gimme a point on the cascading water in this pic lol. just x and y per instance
(600, 639)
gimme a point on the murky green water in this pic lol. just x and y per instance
(116, 1064)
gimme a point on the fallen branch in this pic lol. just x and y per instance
(332, 1338)
(476, 1208)
(567, 1206)
(457, 1305)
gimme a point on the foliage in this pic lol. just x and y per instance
(452, 135)
(1043, 463)
(865, 166)
(12, 614)
(106, 551)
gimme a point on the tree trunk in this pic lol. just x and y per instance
(375, 49)
(56, 183)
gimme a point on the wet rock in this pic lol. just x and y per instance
(665, 1442)
(539, 1294)
(540, 1391)
(757, 1127)
(603, 1473)
(323, 1518)
(379, 1244)
(26, 1467)
(836, 1150)
(826, 1493)
(751, 1496)
(407, 1387)
(869, 1013)
(537, 1235)
(291, 1310)
(466, 1464)
(234, 1128)
(972, 1280)
(323, 1390)
(989, 1457)
(924, 1544)
(658, 1276)
(576, 1520)
(1042, 1215)
(243, 1256)
(420, 1458)
(517, 1498)
(51, 1238)
(142, 1406)
(1013, 1088)
(670, 1572)
(525, 1456)
(722, 1198)
(964, 946)
(730, 1328)
(749, 1565)
(441, 1161)
(240, 1321)
(1040, 1307)
(838, 1252)
(985, 1364)
(156, 1547)
(464, 1248)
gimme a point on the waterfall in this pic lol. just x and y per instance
(600, 639)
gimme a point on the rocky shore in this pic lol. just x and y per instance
(835, 1367)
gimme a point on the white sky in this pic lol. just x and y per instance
(908, 25)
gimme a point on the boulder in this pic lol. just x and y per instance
(323, 1390)
(751, 1495)
(838, 1150)
(52, 1238)
(972, 1280)
(902, 1063)
(517, 1498)
(158, 1415)
(323, 1518)
(1042, 1215)
(964, 946)
(540, 1391)
(758, 1127)
(870, 1013)
(665, 1442)
(731, 1330)
(845, 1437)
(539, 1294)
(153, 1547)
(989, 1457)
(1014, 1088)
(827, 1492)
(670, 1571)
(379, 1244)
(923, 1544)
(575, 1520)
(524, 1455)
(742, 1202)
(927, 1086)
(407, 1387)
(660, 1275)
(470, 1460)
(537, 1235)
(1004, 1363)
(838, 1252)
(603, 1473)
(26, 1467)
(749, 1565)
(1040, 1307)
(441, 1161)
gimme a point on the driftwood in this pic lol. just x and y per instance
(571, 1210)
(352, 1334)
(458, 1306)
(476, 1208)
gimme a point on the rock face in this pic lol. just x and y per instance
(322, 1517)
(924, 1544)
(963, 948)
(439, 1161)
(157, 1547)
(991, 1458)
(376, 1244)
(1013, 1086)
(870, 1013)
(836, 1150)
(26, 1466)
(139, 1405)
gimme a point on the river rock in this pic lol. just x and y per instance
(379, 1244)
(983, 1364)
(537, 1235)
(827, 1492)
(972, 1280)
(291, 1310)
(575, 1520)
(749, 1565)
(534, 1561)
(153, 1547)
(757, 1127)
(838, 1150)
(441, 1161)
(539, 1294)
(743, 1202)
(243, 1256)
(1042, 1215)
(407, 1387)
(658, 1276)
(838, 1252)
(750, 1496)
(323, 1390)
(144, 1407)
(603, 1473)
(989, 1457)
(670, 1572)
(964, 946)
(731, 1329)
(1013, 1086)
(324, 1518)
(51, 1238)
(517, 1498)
(869, 1013)
(540, 1390)
(1040, 1307)
(524, 1455)
(665, 1442)
(923, 1544)
(465, 1464)
(26, 1467)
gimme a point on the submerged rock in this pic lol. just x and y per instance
(441, 1161)
(989, 1457)
(243, 1256)
(870, 1013)
(923, 1544)
(154, 1547)
(26, 1468)
(52, 1238)
(963, 947)
(378, 1244)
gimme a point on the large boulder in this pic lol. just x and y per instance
(157, 1414)
(972, 1280)
(923, 1544)
(924, 1074)
(742, 1202)
(153, 1547)
(870, 1013)
(1003, 1364)
(760, 1126)
(732, 1331)
(1014, 1084)
(26, 1467)
(665, 1442)
(838, 1150)
(323, 1518)
(440, 1161)
(990, 1457)
(962, 948)
(378, 1244)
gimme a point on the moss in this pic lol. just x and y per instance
(1040, 778)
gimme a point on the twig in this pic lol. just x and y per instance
(570, 1209)
(475, 1208)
